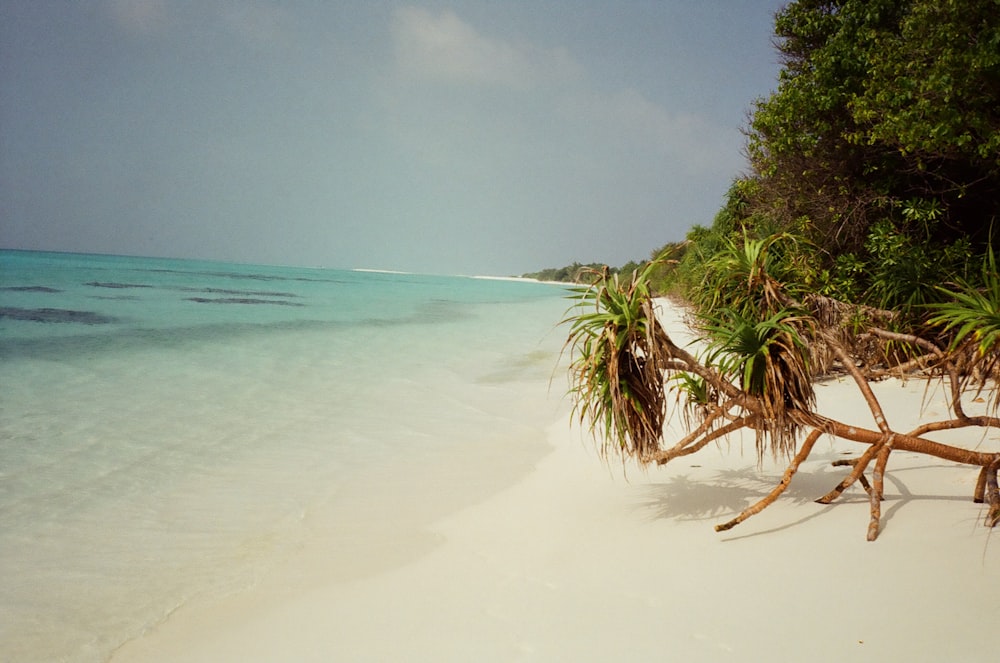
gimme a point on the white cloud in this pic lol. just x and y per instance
(442, 47)
(631, 116)
(445, 48)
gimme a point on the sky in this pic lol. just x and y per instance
(462, 137)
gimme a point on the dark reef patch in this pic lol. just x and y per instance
(244, 293)
(29, 288)
(241, 300)
(229, 275)
(55, 315)
(105, 284)
(247, 277)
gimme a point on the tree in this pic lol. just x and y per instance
(852, 246)
(759, 371)
(886, 111)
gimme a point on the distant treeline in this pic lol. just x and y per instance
(580, 273)
(660, 278)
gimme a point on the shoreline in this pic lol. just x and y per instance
(571, 558)
(574, 562)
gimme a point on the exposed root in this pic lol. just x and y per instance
(790, 471)
(993, 493)
(621, 392)
(859, 467)
(878, 487)
(980, 492)
(862, 479)
(698, 439)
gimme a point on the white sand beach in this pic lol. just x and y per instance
(576, 560)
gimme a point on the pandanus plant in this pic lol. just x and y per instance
(768, 360)
(617, 363)
(757, 374)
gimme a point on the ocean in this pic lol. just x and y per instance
(170, 430)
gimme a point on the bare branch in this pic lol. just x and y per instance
(786, 479)
(663, 457)
(859, 467)
(862, 383)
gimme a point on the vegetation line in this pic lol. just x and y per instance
(862, 242)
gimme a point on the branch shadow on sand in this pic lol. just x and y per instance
(722, 494)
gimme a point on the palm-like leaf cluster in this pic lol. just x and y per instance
(973, 314)
(745, 275)
(971, 317)
(695, 396)
(767, 342)
(617, 363)
(769, 360)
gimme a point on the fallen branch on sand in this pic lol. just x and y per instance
(758, 375)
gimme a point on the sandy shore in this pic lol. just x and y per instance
(577, 561)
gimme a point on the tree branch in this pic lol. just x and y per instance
(786, 479)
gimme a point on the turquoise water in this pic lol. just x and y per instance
(169, 429)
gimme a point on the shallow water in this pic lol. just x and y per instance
(169, 429)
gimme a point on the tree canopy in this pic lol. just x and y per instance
(886, 110)
(862, 242)
(879, 151)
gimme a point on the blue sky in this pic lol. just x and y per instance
(449, 137)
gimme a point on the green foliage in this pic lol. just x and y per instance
(876, 162)
(876, 171)
(694, 395)
(971, 313)
(574, 273)
(743, 348)
(881, 103)
(695, 388)
(932, 92)
(663, 268)
(586, 274)
(753, 277)
(905, 269)
(875, 183)
(768, 359)
(615, 370)
(843, 280)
